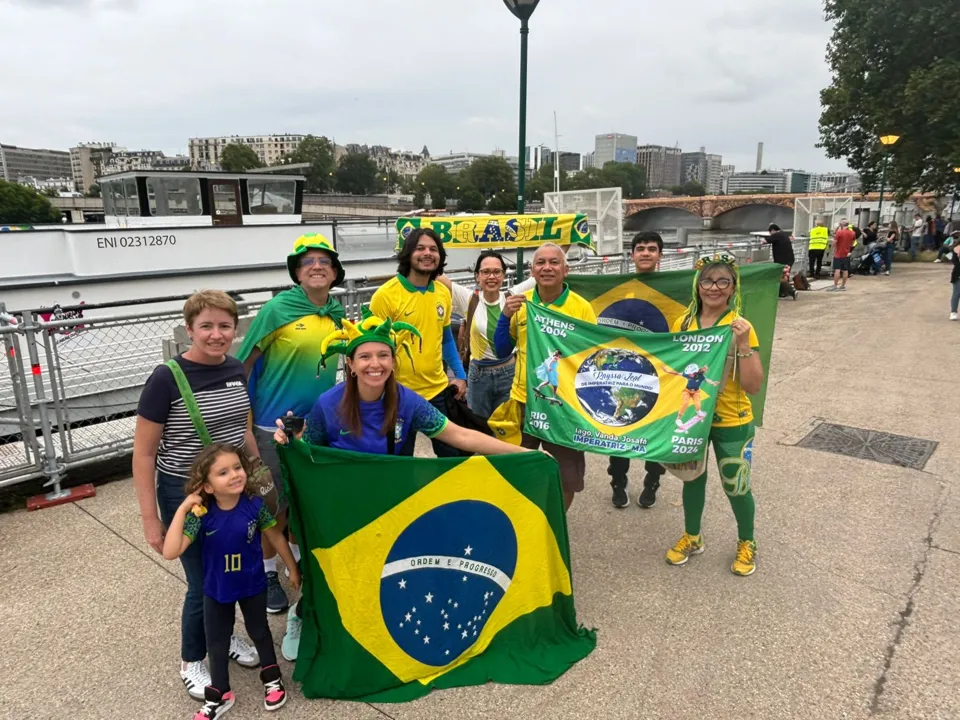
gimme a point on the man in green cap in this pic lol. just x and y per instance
(281, 352)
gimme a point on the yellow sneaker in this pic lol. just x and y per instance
(746, 562)
(686, 546)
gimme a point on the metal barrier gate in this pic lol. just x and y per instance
(70, 385)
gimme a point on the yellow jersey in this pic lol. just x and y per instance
(427, 310)
(569, 303)
(733, 405)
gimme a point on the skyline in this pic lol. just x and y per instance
(179, 79)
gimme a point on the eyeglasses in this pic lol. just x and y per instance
(719, 283)
(318, 261)
(491, 273)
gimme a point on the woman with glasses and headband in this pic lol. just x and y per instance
(716, 301)
(489, 378)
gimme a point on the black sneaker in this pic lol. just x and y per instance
(274, 694)
(648, 497)
(619, 485)
(215, 704)
(276, 598)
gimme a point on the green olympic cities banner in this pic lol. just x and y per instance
(502, 231)
(652, 302)
(634, 394)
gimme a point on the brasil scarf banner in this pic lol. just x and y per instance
(652, 302)
(479, 232)
(430, 573)
(603, 390)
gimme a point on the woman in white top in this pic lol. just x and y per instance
(488, 377)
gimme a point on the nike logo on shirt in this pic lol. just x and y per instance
(344, 432)
(210, 532)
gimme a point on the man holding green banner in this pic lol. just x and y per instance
(549, 269)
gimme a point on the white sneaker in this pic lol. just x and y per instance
(242, 653)
(196, 677)
(953, 316)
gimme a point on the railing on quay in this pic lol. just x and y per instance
(70, 384)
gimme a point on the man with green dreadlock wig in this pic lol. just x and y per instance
(716, 301)
(370, 412)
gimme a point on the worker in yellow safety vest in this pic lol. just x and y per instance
(819, 239)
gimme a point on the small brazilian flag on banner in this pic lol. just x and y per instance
(634, 394)
(653, 301)
(430, 573)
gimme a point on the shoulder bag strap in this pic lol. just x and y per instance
(468, 324)
(189, 401)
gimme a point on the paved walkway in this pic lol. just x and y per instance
(852, 612)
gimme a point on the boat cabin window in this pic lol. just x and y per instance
(271, 197)
(120, 197)
(173, 196)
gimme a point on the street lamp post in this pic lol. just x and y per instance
(887, 141)
(522, 9)
(956, 193)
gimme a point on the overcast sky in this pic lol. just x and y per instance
(723, 74)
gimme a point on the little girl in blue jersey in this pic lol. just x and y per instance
(222, 513)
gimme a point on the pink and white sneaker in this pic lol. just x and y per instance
(215, 704)
(274, 694)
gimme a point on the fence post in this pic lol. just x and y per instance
(352, 304)
(52, 469)
(21, 396)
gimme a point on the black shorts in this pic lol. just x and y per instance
(841, 264)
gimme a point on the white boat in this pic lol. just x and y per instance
(171, 233)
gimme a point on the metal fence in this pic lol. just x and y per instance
(70, 385)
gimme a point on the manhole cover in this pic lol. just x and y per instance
(881, 447)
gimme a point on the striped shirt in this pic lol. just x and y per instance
(485, 319)
(221, 393)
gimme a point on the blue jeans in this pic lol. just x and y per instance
(193, 644)
(955, 300)
(915, 246)
(489, 387)
(888, 255)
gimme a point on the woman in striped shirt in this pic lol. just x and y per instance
(488, 378)
(165, 444)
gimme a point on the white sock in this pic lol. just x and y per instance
(270, 564)
(295, 549)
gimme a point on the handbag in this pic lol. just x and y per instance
(260, 477)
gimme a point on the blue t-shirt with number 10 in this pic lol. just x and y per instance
(230, 545)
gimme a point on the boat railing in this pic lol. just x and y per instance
(71, 377)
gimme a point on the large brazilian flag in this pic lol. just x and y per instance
(651, 302)
(430, 573)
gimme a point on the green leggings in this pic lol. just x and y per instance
(733, 449)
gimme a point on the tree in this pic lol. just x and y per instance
(94, 191)
(433, 179)
(491, 176)
(237, 157)
(358, 175)
(503, 202)
(22, 205)
(630, 177)
(470, 200)
(318, 153)
(895, 68)
(51, 192)
(542, 182)
(693, 189)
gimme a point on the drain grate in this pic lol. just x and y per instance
(900, 450)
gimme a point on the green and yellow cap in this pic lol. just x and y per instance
(314, 241)
(371, 328)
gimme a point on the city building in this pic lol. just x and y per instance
(87, 161)
(61, 185)
(662, 165)
(759, 182)
(725, 172)
(589, 160)
(701, 167)
(403, 162)
(615, 147)
(42, 164)
(455, 162)
(537, 157)
(796, 181)
(270, 149)
(834, 182)
(570, 162)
